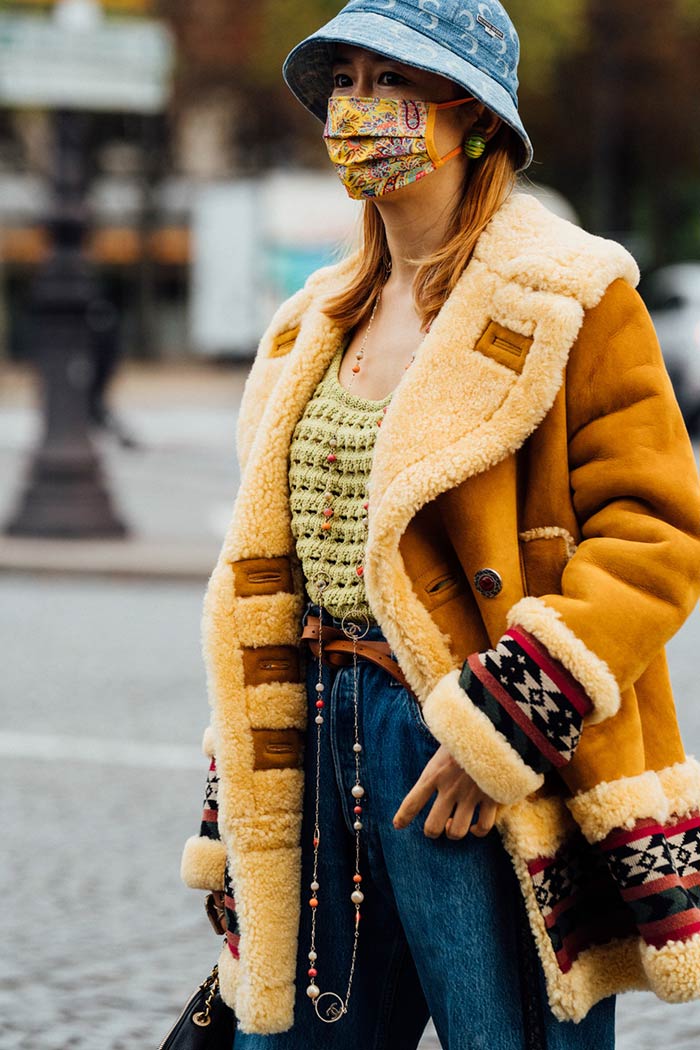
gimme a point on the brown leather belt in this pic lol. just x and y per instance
(338, 650)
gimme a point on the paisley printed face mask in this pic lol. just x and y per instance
(379, 145)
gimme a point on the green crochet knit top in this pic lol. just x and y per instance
(336, 554)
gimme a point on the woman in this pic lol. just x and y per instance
(468, 523)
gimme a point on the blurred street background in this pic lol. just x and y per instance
(160, 193)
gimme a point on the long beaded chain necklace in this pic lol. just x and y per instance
(330, 1006)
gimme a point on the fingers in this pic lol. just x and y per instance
(439, 814)
(439, 765)
(457, 792)
(414, 801)
(487, 818)
(458, 825)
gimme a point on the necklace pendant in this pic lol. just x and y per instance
(330, 1011)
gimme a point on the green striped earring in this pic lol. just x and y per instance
(475, 146)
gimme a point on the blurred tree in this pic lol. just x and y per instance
(283, 131)
(548, 30)
(231, 52)
(618, 129)
(282, 26)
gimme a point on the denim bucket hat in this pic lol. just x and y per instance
(472, 42)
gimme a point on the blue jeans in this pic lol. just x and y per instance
(438, 929)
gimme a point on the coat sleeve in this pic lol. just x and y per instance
(204, 856)
(633, 580)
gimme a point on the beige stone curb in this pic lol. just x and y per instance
(138, 558)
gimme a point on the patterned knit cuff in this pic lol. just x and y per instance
(530, 698)
(233, 933)
(657, 870)
(209, 828)
(204, 855)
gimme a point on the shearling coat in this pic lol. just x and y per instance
(532, 486)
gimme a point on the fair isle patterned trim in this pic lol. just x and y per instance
(657, 869)
(547, 625)
(639, 883)
(476, 744)
(233, 933)
(579, 901)
(209, 828)
(530, 698)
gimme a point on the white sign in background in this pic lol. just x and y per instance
(113, 64)
(254, 242)
(226, 269)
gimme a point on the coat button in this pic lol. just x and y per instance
(488, 583)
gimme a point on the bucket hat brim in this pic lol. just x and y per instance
(308, 69)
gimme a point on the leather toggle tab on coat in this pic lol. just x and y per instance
(534, 542)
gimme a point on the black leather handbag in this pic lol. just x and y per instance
(206, 1023)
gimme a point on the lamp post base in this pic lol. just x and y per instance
(65, 497)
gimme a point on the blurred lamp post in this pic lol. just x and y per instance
(65, 495)
(74, 63)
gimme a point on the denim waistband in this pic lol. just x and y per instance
(372, 634)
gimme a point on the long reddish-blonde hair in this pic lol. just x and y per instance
(486, 186)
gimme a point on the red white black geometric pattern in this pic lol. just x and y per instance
(657, 869)
(642, 882)
(530, 698)
(642, 859)
(684, 842)
(233, 936)
(209, 828)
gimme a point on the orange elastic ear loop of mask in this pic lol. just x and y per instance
(437, 160)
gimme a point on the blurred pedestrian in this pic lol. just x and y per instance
(105, 345)
(467, 525)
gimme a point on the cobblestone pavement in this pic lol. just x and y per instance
(103, 706)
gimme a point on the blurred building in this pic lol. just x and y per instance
(153, 183)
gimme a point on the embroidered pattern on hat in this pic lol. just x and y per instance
(490, 28)
(530, 698)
